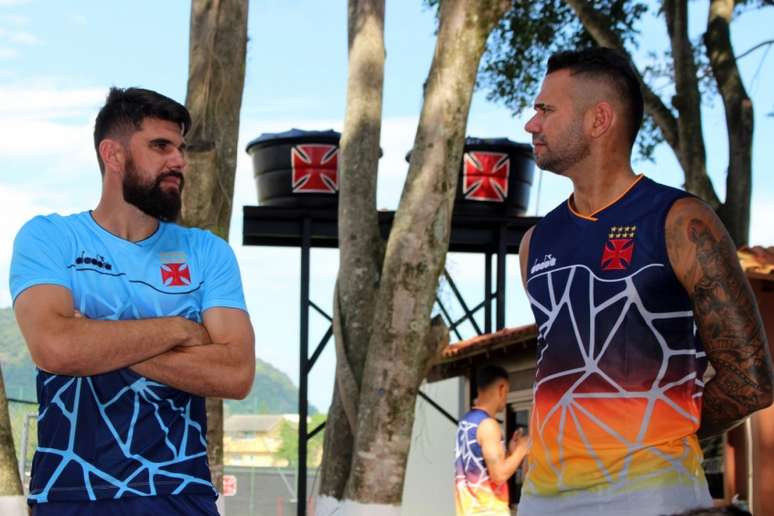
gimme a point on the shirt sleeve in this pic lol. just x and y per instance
(223, 282)
(40, 256)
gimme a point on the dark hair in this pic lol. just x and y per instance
(488, 374)
(614, 68)
(126, 108)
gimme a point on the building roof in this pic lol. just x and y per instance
(455, 359)
(262, 423)
(757, 261)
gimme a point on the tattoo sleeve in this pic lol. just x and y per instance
(731, 330)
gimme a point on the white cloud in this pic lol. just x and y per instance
(18, 207)
(18, 37)
(8, 53)
(49, 101)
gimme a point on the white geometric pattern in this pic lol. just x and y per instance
(556, 299)
(472, 463)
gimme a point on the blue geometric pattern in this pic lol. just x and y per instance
(138, 393)
(119, 434)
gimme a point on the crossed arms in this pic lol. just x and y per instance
(214, 359)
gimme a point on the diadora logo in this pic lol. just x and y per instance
(618, 252)
(547, 262)
(315, 168)
(174, 269)
(96, 260)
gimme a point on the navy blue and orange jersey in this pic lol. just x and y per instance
(617, 396)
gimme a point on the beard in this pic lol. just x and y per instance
(574, 149)
(149, 197)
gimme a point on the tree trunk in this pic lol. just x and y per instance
(687, 101)
(11, 493)
(10, 483)
(216, 72)
(735, 211)
(361, 249)
(402, 343)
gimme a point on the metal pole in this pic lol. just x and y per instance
(501, 254)
(303, 374)
(487, 293)
(24, 444)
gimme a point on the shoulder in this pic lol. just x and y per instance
(48, 226)
(688, 221)
(695, 236)
(488, 430)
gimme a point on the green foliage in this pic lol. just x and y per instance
(272, 393)
(289, 437)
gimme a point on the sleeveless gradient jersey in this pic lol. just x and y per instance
(617, 397)
(474, 492)
(118, 434)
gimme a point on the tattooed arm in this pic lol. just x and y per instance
(729, 324)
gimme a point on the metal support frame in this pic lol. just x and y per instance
(307, 228)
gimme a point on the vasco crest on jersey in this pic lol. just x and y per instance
(174, 270)
(618, 251)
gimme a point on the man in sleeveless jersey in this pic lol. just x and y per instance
(131, 320)
(634, 286)
(482, 466)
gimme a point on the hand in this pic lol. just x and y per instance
(518, 442)
(196, 334)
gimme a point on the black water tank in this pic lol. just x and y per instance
(296, 168)
(495, 177)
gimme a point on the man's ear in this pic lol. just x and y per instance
(600, 118)
(112, 153)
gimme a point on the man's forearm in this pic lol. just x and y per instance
(719, 411)
(84, 347)
(212, 370)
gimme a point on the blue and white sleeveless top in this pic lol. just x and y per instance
(617, 397)
(119, 434)
(474, 491)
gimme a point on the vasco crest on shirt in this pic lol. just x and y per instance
(174, 270)
(618, 251)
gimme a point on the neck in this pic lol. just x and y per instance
(123, 219)
(599, 182)
(488, 406)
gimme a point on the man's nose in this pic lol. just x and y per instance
(532, 125)
(177, 160)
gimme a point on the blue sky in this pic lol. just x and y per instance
(57, 60)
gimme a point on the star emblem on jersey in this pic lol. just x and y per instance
(485, 176)
(315, 168)
(174, 270)
(618, 251)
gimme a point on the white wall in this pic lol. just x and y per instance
(429, 486)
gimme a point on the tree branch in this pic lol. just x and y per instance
(756, 47)
(598, 25)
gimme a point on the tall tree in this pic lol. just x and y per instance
(531, 30)
(11, 493)
(385, 293)
(216, 75)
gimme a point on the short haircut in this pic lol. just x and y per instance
(126, 108)
(488, 374)
(614, 68)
